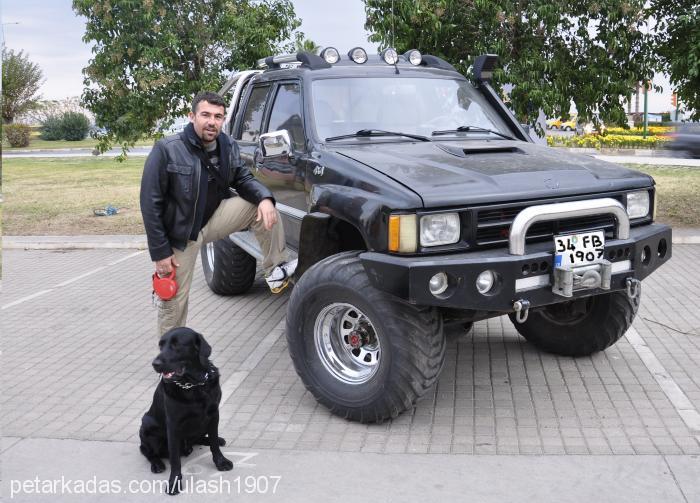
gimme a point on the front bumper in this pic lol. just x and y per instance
(519, 276)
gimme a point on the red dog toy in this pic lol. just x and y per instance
(165, 287)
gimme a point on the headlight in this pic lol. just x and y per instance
(440, 229)
(638, 204)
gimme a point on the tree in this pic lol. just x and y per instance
(306, 45)
(678, 39)
(152, 56)
(552, 51)
(21, 80)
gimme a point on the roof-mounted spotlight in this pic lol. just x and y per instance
(358, 55)
(413, 56)
(331, 55)
(390, 56)
(484, 66)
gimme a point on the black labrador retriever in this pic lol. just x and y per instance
(185, 408)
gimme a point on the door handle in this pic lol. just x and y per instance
(257, 159)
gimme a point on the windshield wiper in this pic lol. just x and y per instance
(466, 129)
(362, 133)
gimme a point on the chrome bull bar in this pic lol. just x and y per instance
(569, 279)
(559, 211)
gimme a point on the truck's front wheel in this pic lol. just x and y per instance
(365, 355)
(580, 327)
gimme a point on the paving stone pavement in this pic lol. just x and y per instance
(77, 366)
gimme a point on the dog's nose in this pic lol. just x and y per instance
(157, 364)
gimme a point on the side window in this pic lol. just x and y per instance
(252, 120)
(286, 114)
(236, 107)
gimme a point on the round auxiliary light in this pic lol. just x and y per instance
(358, 55)
(390, 56)
(485, 282)
(438, 283)
(331, 55)
(413, 56)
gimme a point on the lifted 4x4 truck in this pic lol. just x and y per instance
(414, 200)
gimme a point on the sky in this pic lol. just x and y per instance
(51, 33)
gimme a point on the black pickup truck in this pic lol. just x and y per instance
(416, 201)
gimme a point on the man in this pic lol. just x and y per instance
(186, 202)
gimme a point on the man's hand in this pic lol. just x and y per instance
(268, 213)
(164, 267)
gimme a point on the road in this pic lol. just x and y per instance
(505, 422)
(143, 151)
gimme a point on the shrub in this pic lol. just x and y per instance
(75, 126)
(51, 129)
(71, 126)
(17, 134)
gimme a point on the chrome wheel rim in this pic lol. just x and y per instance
(210, 255)
(347, 343)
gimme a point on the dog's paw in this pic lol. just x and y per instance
(157, 466)
(174, 485)
(222, 442)
(223, 464)
(187, 450)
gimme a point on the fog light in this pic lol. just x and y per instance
(358, 55)
(438, 283)
(390, 56)
(414, 57)
(485, 282)
(331, 55)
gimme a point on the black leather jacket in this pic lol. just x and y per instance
(170, 188)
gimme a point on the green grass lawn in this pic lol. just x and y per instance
(46, 196)
(677, 193)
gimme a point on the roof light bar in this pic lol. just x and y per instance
(358, 55)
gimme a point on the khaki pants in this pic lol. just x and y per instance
(232, 215)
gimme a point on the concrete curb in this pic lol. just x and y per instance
(137, 242)
(681, 236)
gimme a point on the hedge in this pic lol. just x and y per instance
(607, 141)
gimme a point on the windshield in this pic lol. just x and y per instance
(411, 105)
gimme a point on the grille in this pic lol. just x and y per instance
(493, 226)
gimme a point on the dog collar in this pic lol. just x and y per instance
(189, 385)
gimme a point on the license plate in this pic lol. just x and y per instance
(573, 250)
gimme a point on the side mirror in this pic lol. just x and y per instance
(275, 144)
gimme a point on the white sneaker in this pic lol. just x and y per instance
(279, 277)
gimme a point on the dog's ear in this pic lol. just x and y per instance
(204, 350)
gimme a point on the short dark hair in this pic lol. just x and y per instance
(209, 97)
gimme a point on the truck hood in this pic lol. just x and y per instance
(453, 173)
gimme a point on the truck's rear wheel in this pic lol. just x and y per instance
(580, 327)
(228, 269)
(365, 355)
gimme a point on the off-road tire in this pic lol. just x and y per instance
(606, 319)
(233, 270)
(411, 342)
